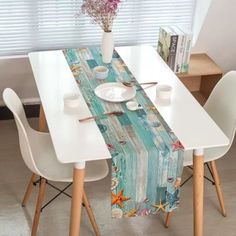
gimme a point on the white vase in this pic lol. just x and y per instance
(107, 47)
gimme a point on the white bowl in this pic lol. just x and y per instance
(132, 105)
(100, 72)
(71, 100)
(164, 91)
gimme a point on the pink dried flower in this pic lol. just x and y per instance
(102, 12)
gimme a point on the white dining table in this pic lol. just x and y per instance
(77, 143)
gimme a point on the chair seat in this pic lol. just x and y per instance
(210, 154)
(51, 169)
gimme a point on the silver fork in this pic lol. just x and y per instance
(132, 83)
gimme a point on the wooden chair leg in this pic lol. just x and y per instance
(167, 220)
(218, 187)
(90, 214)
(41, 194)
(28, 190)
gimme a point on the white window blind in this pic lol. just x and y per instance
(31, 25)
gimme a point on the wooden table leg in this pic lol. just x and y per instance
(198, 188)
(76, 202)
(42, 120)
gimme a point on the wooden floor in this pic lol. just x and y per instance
(17, 221)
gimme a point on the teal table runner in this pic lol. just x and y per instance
(147, 158)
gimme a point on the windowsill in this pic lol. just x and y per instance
(13, 57)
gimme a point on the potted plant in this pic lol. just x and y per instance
(103, 13)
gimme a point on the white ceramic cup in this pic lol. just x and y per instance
(71, 100)
(132, 105)
(100, 72)
(164, 91)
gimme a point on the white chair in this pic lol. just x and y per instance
(221, 106)
(39, 156)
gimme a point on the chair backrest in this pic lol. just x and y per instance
(221, 105)
(13, 102)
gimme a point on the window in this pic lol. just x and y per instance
(28, 25)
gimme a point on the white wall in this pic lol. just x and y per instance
(218, 34)
(217, 38)
(16, 73)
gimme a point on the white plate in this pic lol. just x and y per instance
(115, 92)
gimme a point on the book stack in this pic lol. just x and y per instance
(174, 46)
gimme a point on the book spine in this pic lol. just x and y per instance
(186, 57)
(172, 51)
(160, 42)
(179, 54)
(183, 52)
